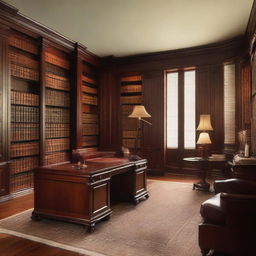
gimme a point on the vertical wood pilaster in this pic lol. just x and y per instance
(4, 94)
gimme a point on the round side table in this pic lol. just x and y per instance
(204, 164)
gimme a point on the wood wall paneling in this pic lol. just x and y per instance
(4, 93)
(153, 135)
(110, 134)
(209, 100)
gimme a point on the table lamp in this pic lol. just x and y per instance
(204, 140)
(138, 112)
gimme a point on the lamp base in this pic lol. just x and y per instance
(203, 150)
(134, 158)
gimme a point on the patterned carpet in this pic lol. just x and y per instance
(165, 224)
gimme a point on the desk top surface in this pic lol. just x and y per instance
(93, 166)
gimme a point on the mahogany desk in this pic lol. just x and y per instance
(83, 196)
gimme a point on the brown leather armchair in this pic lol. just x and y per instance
(229, 219)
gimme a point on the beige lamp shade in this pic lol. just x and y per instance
(205, 123)
(139, 111)
(204, 138)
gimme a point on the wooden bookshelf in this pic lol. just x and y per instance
(23, 56)
(57, 106)
(131, 95)
(90, 103)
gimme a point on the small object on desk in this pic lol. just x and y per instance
(126, 152)
(79, 166)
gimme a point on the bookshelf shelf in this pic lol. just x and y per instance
(90, 105)
(24, 140)
(57, 106)
(130, 95)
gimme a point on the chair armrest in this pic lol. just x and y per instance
(240, 209)
(235, 186)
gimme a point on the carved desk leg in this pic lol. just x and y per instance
(35, 216)
(91, 228)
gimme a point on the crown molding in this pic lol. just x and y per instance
(237, 44)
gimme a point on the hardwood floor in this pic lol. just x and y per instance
(15, 246)
(16, 205)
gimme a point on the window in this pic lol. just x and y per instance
(172, 110)
(189, 110)
(229, 104)
(181, 88)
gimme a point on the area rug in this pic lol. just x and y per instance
(165, 224)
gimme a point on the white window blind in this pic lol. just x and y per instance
(229, 104)
(189, 110)
(172, 110)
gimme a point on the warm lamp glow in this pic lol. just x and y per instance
(139, 111)
(205, 123)
(204, 138)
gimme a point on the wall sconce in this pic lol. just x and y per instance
(204, 141)
(138, 112)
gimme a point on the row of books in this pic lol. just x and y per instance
(131, 99)
(90, 129)
(24, 164)
(24, 72)
(21, 131)
(89, 89)
(24, 149)
(89, 99)
(22, 181)
(88, 80)
(52, 69)
(57, 82)
(57, 130)
(24, 98)
(57, 144)
(89, 141)
(22, 42)
(129, 134)
(57, 115)
(136, 78)
(88, 118)
(56, 60)
(23, 60)
(131, 88)
(130, 143)
(127, 110)
(24, 114)
(55, 158)
(57, 98)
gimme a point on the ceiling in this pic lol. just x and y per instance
(121, 27)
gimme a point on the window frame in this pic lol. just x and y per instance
(174, 154)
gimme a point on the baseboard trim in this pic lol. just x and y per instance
(16, 194)
(155, 172)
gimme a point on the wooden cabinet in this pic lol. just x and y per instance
(23, 53)
(4, 179)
